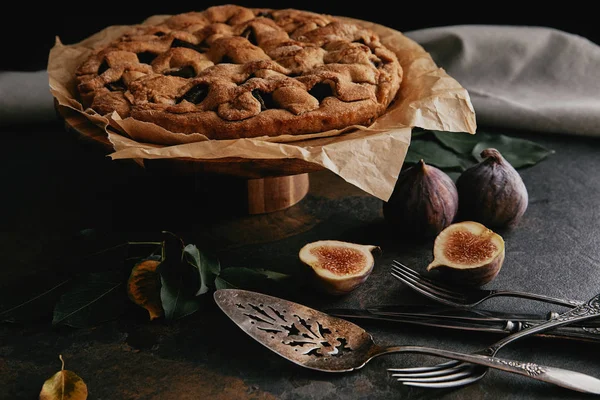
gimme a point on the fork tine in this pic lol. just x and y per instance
(433, 286)
(408, 271)
(436, 373)
(447, 364)
(443, 385)
(429, 290)
(420, 289)
(450, 377)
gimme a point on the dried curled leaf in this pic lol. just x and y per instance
(143, 287)
(64, 385)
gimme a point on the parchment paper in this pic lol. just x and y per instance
(368, 157)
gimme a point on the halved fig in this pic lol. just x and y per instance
(339, 267)
(468, 253)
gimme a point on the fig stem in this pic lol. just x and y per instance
(493, 154)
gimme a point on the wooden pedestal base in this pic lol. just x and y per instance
(276, 193)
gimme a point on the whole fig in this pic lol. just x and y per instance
(424, 202)
(492, 192)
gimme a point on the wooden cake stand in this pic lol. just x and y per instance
(262, 185)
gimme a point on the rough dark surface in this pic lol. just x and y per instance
(53, 187)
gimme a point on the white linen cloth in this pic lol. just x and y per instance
(25, 98)
(531, 78)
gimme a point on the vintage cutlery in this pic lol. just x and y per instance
(443, 311)
(465, 297)
(469, 320)
(453, 374)
(315, 340)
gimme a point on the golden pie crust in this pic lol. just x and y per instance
(234, 72)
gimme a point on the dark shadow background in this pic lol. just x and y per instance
(29, 31)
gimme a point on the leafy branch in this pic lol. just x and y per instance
(168, 278)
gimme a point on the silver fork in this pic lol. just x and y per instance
(455, 373)
(466, 297)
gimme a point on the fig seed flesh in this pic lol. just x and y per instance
(468, 253)
(338, 267)
(339, 260)
(464, 247)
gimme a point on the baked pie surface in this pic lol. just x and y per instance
(234, 72)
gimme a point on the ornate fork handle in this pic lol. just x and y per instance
(534, 296)
(561, 377)
(588, 310)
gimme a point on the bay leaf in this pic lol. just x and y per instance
(433, 153)
(247, 278)
(517, 151)
(453, 175)
(460, 142)
(273, 275)
(143, 287)
(186, 273)
(176, 301)
(180, 283)
(206, 263)
(418, 132)
(92, 299)
(64, 385)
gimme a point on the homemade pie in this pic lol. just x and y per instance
(234, 72)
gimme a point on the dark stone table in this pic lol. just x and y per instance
(54, 187)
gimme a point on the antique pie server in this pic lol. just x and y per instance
(470, 320)
(318, 341)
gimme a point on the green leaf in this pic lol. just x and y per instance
(418, 132)
(185, 274)
(454, 175)
(206, 263)
(273, 275)
(180, 285)
(221, 283)
(518, 152)
(94, 298)
(433, 153)
(246, 278)
(460, 142)
(176, 301)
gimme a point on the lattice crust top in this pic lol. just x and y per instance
(233, 72)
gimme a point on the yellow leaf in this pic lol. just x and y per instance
(64, 385)
(143, 287)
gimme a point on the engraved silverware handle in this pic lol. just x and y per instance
(590, 309)
(561, 377)
(583, 333)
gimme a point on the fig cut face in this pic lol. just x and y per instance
(468, 253)
(338, 266)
